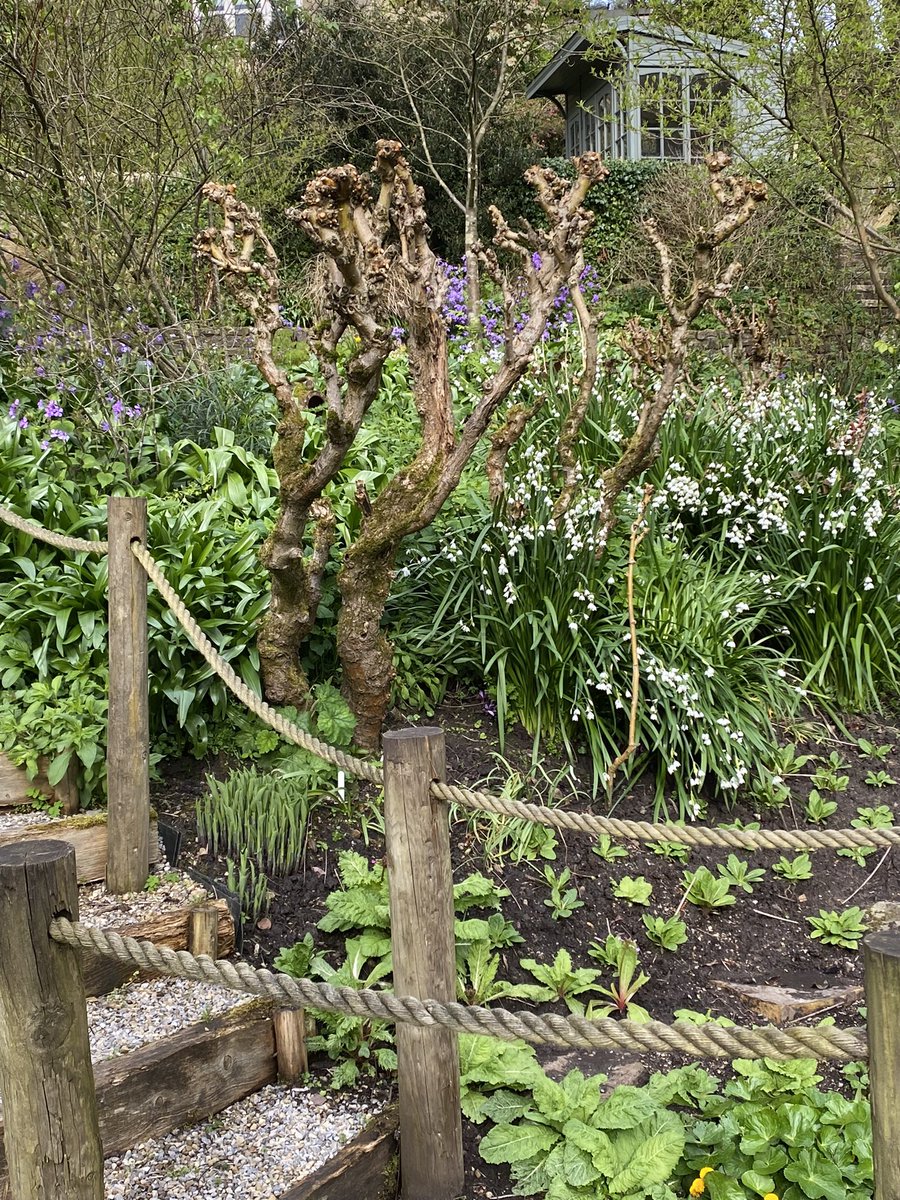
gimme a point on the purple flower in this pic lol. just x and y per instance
(14, 264)
(398, 333)
(23, 422)
(60, 435)
(59, 287)
(536, 261)
(31, 289)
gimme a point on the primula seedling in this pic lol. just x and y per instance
(843, 929)
(818, 809)
(706, 891)
(607, 849)
(880, 817)
(666, 932)
(737, 872)
(636, 890)
(857, 854)
(871, 750)
(794, 869)
(880, 779)
(677, 850)
(563, 900)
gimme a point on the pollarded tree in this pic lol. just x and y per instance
(373, 240)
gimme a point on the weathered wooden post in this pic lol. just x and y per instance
(420, 879)
(127, 755)
(882, 965)
(52, 1138)
(290, 1043)
(203, 931)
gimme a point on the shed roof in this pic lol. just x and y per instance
(568, 65)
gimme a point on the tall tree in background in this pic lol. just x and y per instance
(819, 88)
(113, 113)
(439, 75)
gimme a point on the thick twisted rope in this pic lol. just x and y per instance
(651, 1037)
(689, 835)
(265, 712)
(579, 822)
(52, 539)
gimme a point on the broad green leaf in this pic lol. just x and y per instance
(626, 1107)
(516, 1143)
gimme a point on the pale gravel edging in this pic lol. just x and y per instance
(150, 1010)
(254, 1150)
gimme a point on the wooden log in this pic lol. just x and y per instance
(290, 1044)
(420, 880)
(882, 966)
(186, 1077)
(15, 786)
(86, 833)
(172, 929)
(51, 1134)
(364, 1169)
(203, 930)
(128, 735)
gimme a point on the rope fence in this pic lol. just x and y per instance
(476, 801)
(650, 1037)
(38, 885)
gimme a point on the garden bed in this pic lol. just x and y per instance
(761, 939)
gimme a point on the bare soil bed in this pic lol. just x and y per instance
(762, 939)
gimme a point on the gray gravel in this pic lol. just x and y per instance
(173, 890)
(150, 1010)
(254, 1150)
(11, 819)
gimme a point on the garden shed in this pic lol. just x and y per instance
(636, 91)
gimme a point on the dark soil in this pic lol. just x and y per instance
(762, 939)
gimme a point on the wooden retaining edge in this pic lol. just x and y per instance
(15, 786)
(181, 1079)
(102, 974)
(366, 1168)
(86, 833)
(199, 1071)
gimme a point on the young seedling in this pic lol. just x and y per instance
(636, 890)
(828, 777)
(843, 929)
(857, 854)
(621, 994)
(607, 849)
(677, 850)
(880, 817)
(880, 779)
(738, 873)
(706, 891)
(558, 980)
(666, 932)
(794, 869)
(871, 750)
(818, 809)
(563, 900)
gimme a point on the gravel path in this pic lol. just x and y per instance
(152, 1009)
(254, 1150)
(173, 889)
(10, 819)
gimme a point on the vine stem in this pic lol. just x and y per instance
(639, 530)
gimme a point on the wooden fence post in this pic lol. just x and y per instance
(128, 738)
(417, 833)
(882, 966)
(52, 1137)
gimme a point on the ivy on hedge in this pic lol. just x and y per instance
(615, 203)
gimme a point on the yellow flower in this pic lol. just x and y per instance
(770, 1196)
(698, 1187)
